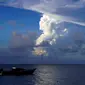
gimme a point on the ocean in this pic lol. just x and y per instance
(48, 75)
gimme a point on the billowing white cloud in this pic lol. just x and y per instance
(49, 26)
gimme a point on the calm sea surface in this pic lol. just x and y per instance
(48, 75)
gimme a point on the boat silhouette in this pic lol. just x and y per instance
(17, 71)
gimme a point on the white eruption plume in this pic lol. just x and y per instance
(48, 25)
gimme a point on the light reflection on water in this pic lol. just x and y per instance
(45, 75)
(49, 75)
(60, 75)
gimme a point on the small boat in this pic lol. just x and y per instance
(17, 72)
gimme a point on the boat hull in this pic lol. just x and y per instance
(17, 73)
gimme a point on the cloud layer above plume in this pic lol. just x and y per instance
(65, 10)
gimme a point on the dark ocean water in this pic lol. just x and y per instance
(48, 75)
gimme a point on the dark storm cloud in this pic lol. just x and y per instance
(22, 41)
